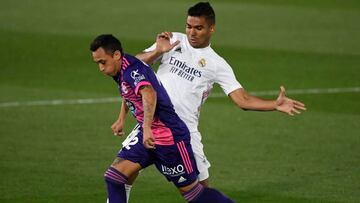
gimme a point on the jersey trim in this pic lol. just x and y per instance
(140, 84)
(125, 63)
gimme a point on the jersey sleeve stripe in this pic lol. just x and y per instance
(140, 84)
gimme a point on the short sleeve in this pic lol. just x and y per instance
(151, 48)
(137, 77)
(225, 77)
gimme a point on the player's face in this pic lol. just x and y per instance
(198, 31)
(108, 64)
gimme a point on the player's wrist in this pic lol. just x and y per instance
(146, 127)
(277, 105)
(120, 121)
(158, 52)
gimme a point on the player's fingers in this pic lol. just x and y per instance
(146, 145)
(165, 35)
(152, 142)
(282, 88)
(161, 35)
(296, 111)
(281, 98)
(149, 145)
(118, 133)
(282, 91)
(300, 107)
(175, 43)
(298, 103)
(168, 34)
(113, 130)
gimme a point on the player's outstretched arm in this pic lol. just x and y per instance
(117, 126)
(163, 45)
(148, 95)
(283, 104)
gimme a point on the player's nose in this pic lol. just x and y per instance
(192, 32)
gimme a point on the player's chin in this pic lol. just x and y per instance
(111, 74)
(194, 44)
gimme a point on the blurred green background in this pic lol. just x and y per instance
(58, 153)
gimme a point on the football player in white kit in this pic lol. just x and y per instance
(188, 69)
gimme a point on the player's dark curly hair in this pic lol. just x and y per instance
(203, 9)
(108, 42)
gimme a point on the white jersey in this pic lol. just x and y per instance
(188, 75)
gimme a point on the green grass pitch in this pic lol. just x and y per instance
(58, 153)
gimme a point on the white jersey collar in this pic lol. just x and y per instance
(197, 49)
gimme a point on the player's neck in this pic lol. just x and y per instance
(202, 46)
(119, 65)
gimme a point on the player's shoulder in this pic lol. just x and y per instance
(216, 58)
(178, 36)
(131, 63)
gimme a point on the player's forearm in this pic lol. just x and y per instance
(258, 104)
(149, 57)
(149, 104)
(248, 102)
(123, 111)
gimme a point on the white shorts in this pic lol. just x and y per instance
(202, 163)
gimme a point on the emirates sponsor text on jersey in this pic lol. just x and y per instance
(183, 70)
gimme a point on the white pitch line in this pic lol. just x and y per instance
(215, 95)
(299, 91)
(61, 102)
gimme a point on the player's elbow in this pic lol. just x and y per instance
(242, 106)
(241, 100)
(141, 56)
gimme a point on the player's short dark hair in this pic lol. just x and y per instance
(203, 9)
(108, 42)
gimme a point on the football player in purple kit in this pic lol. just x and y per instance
(162, 138)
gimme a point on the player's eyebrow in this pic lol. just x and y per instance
(195, 26)
(99, 61)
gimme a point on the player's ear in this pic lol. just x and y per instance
(212, 28)
(117, 55)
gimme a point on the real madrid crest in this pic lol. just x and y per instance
(202, 62)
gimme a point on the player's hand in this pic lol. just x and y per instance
(148, 139)
(163, 42)
(287, 105)
(117, 128)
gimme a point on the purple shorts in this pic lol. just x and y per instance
(176, 162)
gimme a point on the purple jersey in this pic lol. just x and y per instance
(167, 127)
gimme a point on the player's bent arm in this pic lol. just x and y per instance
(162, 46)
(117, 126)
(248, 102)
(148, 95)
(149, 57)
(123, 111)
(281, 104)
